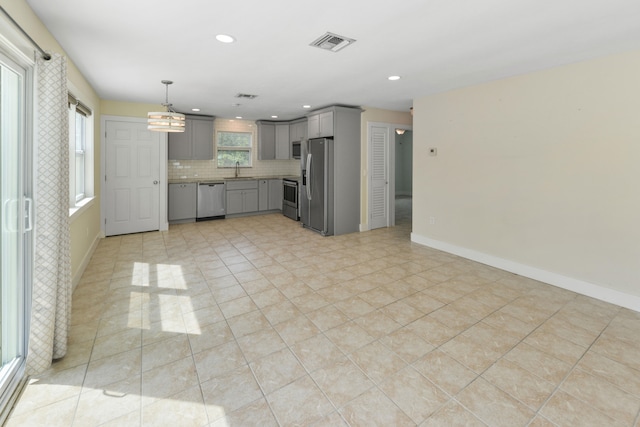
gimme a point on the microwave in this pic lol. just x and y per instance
(296, 147)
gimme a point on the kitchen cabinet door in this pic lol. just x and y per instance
(297, 130)
(195, 143)
(202, 139)
(182, 201)
(235, 201)
(263, 195)
(250, 200)
(320, 125)
(180, 147)
(275, 194)
(302, 130)
(313, 126)
(266, 141)
(283, 145)
(242, 196)
(326, 124)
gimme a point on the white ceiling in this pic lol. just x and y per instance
(125, 47)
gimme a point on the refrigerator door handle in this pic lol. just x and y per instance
(308, 186)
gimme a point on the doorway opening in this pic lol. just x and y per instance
(390, 174)
(403, 177)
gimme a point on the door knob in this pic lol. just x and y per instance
(155, 182)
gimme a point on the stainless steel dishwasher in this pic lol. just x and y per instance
(211, 200)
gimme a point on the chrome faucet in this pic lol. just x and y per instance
(237, 169)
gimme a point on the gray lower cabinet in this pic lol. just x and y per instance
(242, 196)
(182, 201)
(195, 143)
(263, 195)
(270, 194)
(275, 194)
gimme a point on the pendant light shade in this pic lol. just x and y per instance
(166, 121)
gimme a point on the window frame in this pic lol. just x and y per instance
(80, 136)
(229, 148)
(78, 200)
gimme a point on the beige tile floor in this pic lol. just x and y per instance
(258, 322)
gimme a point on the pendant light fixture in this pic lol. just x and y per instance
(166, 121)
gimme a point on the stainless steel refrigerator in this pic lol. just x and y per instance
(316, 199)
(330, 185)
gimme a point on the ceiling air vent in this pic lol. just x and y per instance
(332, 42)
(246, 96)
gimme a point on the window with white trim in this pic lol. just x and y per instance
(81, 156)
(234, 148)
(80, 152)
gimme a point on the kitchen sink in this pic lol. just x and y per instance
(240, 177)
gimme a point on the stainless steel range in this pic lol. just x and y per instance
(290, 199)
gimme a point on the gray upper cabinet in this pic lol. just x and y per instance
(266, 140)
(320, 125)
(283, 145)
(273, 140)
(195, 143)
(270, 194)
(298, 130)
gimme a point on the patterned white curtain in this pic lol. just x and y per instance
(51, 302)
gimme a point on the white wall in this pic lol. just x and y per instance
(539, 174)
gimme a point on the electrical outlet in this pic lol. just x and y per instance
(432, 220)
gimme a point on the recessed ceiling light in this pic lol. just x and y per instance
(392, 78)
(225, 38)
(306, 106)
(195, 109)
(274, 117)
(238, 117)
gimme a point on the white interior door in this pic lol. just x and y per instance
(379, 176)
(132, 178)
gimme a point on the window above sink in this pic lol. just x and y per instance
(234, 149)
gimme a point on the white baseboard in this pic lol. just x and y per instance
(602, 293)
(364, 227)
(85, 261)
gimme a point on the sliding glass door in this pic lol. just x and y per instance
(15, 224)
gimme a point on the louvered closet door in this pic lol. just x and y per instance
(379, 173)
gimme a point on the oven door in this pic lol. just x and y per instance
(290, 199)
